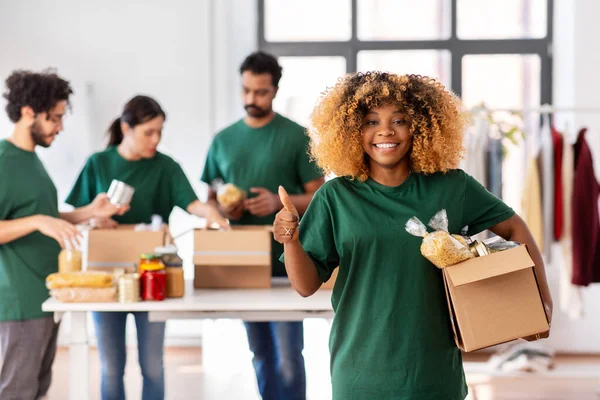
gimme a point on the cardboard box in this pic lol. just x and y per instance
(121, 247)
(494, 299)
(239, 258)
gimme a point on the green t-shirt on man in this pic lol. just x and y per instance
(25, 190)
(159, 182)
(275, 154)
(391, 337)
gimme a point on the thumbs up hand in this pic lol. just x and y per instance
(285, 227)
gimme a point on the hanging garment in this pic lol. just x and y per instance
(547, 185)
(586, 226)
(571, 300)
(475, 144)
(495, 156)
(531, 203)
(557, 145)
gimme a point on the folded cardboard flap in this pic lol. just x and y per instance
(489, 266)
(452, 313)
(248, 245)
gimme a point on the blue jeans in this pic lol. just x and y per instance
(278, 359)
(110, 331)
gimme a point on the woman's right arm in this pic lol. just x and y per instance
(301, 270)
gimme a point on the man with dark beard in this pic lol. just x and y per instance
(32, 231)
(258, 154)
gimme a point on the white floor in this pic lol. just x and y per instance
(227, 372)
(228, 360)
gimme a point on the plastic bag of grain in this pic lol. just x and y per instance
(439, 246)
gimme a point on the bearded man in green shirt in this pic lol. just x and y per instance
(259, 153)
(32, 232)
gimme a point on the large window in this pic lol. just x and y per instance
(496, 52)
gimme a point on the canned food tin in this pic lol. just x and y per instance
(120, 193)
(501, 246)
(479, 249)
(129, 288)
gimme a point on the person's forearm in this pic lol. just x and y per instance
(79, 215)
(301, 270)
(214, 203)
(198, 208)
(16, 229)
(301, 201)
(212, 200)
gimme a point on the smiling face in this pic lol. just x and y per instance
(386, 137)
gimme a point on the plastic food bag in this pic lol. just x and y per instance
(439, 247)
(87, 279)
(229, 196)
(85, 295)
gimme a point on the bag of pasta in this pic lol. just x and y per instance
(439, 246)
(86, 279)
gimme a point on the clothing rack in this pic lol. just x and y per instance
(559, 372)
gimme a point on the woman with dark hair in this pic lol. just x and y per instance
(160, 184)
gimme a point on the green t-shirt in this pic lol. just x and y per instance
(25, 190)
(159, 182)
(391, 336)
(276, 154)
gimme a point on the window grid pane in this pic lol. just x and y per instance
(304, 79)
(506, 19)
(432, 63)
(287, 21)
(403, 19)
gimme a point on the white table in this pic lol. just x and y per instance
(279, 303)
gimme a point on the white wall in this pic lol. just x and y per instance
(186, 54)
(576, 62)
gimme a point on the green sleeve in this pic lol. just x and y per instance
(83, 192)
(316, 236)
(182, 193)
(307, 170)
(6, 202)
(211, 167)
(481, 209)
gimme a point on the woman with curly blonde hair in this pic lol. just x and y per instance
(395, 143)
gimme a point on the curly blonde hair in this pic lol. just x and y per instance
(434, 113)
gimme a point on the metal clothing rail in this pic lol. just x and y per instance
(544, 109)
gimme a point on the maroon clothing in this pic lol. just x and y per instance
(586, 226)
(557, 144)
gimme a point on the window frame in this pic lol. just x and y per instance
(458, 47)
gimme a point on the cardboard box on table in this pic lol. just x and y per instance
(238, 258)
(108, 249)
